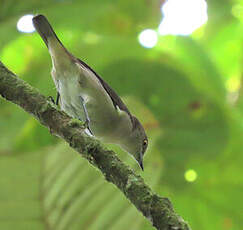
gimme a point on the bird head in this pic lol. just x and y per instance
(136, 142)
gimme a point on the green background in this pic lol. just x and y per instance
(186, 91)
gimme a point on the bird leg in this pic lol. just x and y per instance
(87, 120)
(58, 97)
(52, 99)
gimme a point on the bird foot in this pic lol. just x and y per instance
(86, 126)
(76, 123)
(50, 98)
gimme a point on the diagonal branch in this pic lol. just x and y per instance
(156, 209)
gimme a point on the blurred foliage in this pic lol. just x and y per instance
(187, 91)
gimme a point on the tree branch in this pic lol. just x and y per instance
(156, 209)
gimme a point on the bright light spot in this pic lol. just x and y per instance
(183, 17)
(148, 38)
(233, 84)
(91, 38)
(190, 175)
(237, 11)
(25, 24)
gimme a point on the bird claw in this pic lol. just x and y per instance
(50, 98)
(86, 126)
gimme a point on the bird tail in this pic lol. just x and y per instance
(45, 30)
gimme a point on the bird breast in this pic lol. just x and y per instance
(106, 122)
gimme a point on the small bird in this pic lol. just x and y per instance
(84, 95)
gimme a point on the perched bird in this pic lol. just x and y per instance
(84, 95)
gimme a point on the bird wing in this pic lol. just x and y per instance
(116, 100)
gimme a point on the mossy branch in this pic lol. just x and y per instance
(156, 209)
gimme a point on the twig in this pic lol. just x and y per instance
(156, 209)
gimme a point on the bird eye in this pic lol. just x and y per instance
(145, 142)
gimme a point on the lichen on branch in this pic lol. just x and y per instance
(158, 210)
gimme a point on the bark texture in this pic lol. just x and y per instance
(158, 210)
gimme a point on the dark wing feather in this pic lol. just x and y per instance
(114, 97)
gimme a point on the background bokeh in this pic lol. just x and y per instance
(186, 90)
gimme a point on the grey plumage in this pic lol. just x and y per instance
(86, 96)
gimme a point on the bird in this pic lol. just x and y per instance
(84, 95)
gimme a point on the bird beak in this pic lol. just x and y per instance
(141, 165)
(141, 161)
